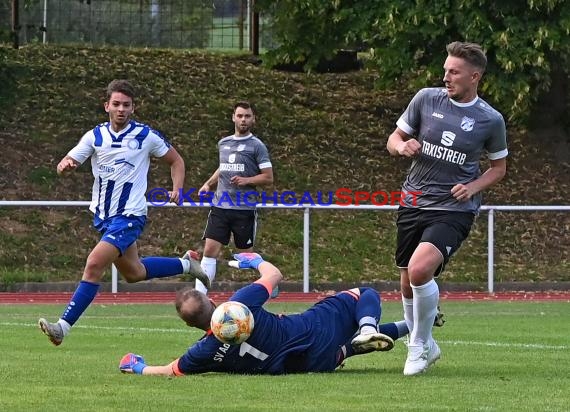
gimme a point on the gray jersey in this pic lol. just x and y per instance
(239, 156)
(453, 137)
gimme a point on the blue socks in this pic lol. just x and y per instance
(156, 267)
(81, 299)
(389, 329)
(162, 267)
(368, 308)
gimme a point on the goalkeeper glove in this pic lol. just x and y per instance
(246, 261)
(131, 363)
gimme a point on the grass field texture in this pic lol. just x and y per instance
(496, 356)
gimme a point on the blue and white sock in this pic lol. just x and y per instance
(81, 299)
(162, 267)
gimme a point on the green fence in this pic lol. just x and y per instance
(219, 24)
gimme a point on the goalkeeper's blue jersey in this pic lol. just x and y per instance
(308, 342)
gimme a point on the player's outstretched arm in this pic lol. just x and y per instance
(270, 274)
(164, 370)
(132, 363)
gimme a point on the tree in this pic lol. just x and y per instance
(309, 31)
(527, 44)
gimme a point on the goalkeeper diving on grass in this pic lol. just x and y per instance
(317, 340)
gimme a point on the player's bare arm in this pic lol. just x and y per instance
(402, 144)
(492, 175)
(162, 370)
(132, 363)
(270, 273)
(177, 173)
(265, 178)
(66, 165)
(211, 183)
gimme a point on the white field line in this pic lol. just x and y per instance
(504, 345)
(111, 328)
(446, 342)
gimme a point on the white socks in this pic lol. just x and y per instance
(408, 305)
(209, 266)
(367, 330)
(367, 325)
(426, 298)
(65, 327)
(185, 265)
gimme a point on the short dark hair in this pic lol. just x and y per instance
(471, 52)
(244, 105)
(121, 86)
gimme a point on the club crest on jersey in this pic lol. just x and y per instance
(132, 144)
(447, 138)
(240, 148)
(232, 158)
(467, 123)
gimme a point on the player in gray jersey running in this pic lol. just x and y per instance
(445, 131)
(244, 165)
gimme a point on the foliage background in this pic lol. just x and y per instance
(324, 131)
(527, 43)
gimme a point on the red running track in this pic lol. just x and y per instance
(168, 297)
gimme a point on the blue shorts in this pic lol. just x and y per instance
(120, 231)
(334, 324)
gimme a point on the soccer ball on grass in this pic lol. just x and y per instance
(232, 322)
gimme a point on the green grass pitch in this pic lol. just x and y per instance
(496, 356)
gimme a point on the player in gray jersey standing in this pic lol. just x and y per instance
(244, 165)
(445, 131)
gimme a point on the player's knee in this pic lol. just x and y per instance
(93, 271)
(212, 249)
(364, 289)
(420, 273)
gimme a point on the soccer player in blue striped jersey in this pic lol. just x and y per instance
(445, 131)
(120, 152)
(317, 340)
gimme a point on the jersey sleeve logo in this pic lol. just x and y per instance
(467, 123)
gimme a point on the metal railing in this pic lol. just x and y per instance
(306, 225)
(215, 24)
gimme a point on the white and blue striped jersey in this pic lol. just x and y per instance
(120, 163)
